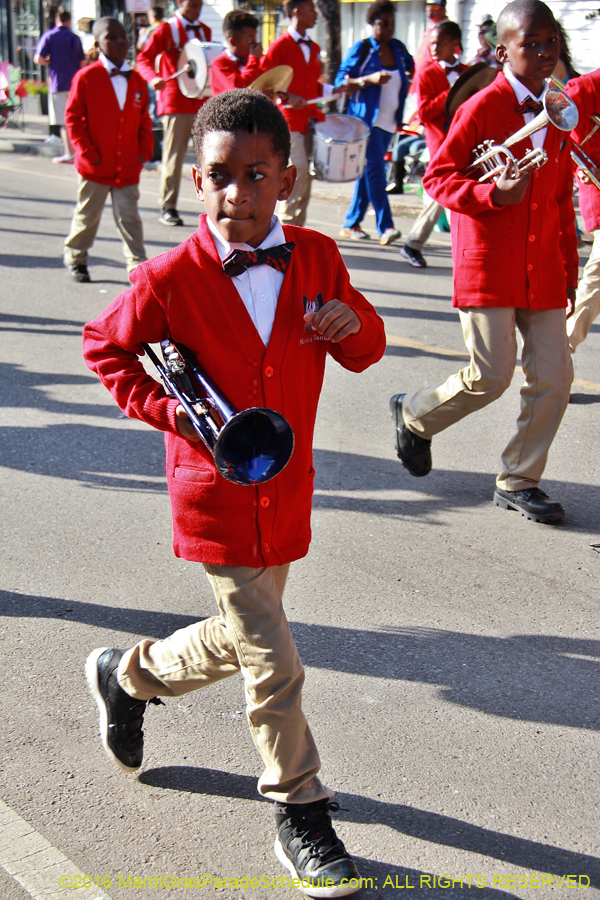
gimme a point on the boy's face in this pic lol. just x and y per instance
(240, 179)
(306, 14)
(240, 42)
(114, 44)
(190, 9)
(442, 47)
(531, 49)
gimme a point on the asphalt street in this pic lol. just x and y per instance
(451, 647)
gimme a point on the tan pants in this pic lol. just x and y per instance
(251, 634)
(293, 211)
(176, 137)
(491, 341)
(91, 199)
(587, 302)
(424, 225)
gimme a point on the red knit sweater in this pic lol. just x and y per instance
(585, 91)
(161, 44)
(185, 294)
(523, 255)
(100, 130)
(227, 74)
(305, 83)
(433, 88)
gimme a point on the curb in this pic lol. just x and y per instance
(31, 148)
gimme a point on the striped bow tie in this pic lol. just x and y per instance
(529, 105)
(126, 74)
(278, 258)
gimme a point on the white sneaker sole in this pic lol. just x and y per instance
(91, 674)
(317, 892)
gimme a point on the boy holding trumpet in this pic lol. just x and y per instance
(515, 264)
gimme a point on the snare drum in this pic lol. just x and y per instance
(340, 148)
(199, 56)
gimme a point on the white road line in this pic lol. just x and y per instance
(38, 866)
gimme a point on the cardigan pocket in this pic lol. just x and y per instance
(480, 253)
(192, 473)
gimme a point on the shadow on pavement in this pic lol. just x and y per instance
(417, 823)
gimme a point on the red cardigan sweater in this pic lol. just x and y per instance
(185, 294)
(170, 100)
(585, 91)
(227, 74)
(100, 130)
(432, 90)
(523, 255)
(305, 83)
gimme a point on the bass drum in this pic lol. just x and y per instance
(340, 148)
(198, 56)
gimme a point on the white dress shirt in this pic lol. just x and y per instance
(450, 71)
(118, 82)
(537, 139)
(258, 286)
(189, 26)
(303, 46)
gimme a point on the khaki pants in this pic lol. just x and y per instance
(293, 211)
(490, 338)
(176, 137)
(91, 199)
(424, 225)
(250, 635)
(587, 302)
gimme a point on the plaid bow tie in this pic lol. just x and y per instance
(126, 74)
(529, 105)
(278, 258)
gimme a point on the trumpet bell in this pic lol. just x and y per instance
(254, 446)
(561, 110)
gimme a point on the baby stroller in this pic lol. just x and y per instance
(11, 94)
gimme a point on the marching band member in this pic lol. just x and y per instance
(178, 112)
(585, 91)
(515, 263)
(240, 63)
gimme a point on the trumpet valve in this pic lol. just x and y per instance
(173, 358)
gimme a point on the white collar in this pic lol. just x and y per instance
(519, 88)
(296, 34)
(224, 248)
(186, 22)
(231, 54)
(109, 66)
(447, 65)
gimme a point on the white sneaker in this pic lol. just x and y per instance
(52, 139)
(63, 159)
(389, 236)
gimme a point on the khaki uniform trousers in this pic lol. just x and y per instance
(91, 199)
(424, 225)
(252, 635)
(293, 211)
(490, 337)
(176, 137)
(587, 302)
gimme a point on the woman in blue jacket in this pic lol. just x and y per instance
(378, 68)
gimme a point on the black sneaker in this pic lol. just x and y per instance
(170, 217)
(80, 274)
(309, 848)
(532, 503)
(414, 452)
(415, 257)
(121, 716)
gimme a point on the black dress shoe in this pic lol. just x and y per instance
(414, 452)
(532, 503)
(80, 274)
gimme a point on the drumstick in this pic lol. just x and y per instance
(186, 68)
(318, 100)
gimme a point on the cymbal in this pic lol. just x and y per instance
(472, 80)
(277, 79)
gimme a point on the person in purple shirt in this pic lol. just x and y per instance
(61, 51)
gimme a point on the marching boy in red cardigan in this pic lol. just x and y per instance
(111, 131)
(253, 334)
(515, 264)
(240, 63)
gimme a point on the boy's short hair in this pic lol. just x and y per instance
(158, 13)
(63, 15)
(103, 24)
(236, 20)
(379, 8)
(290, 5)
(242, 110)
(451, 30)
(514, 13)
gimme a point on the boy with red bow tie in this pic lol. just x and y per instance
(514, 249)
(240, 64)
(178, 112)
(242, 286)
(111, 132)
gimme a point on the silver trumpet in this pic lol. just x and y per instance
(249, 447)
(578, 154)
(559, 110)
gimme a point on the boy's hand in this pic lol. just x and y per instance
(335, 321)
(595, 170)
(157, 83)
(98, 161)
(509, 190)
(185, 427)
(571, 291)
(255, 49)
(296, 102)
